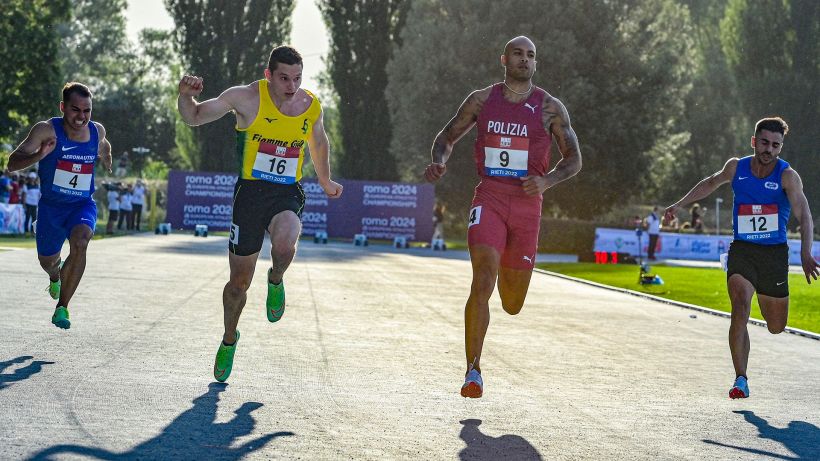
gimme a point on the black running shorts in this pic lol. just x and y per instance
(765, 266)
(255, 203)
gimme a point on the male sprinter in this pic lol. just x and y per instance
(765, 190)
(67, 148)
(274, 118)
(516, 122)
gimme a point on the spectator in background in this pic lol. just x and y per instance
(670, 223)
(122, 165)
(438, 221)
(16, 189)
(31, 198)
(5, 187)
(125, 207)
(697, 218)
(113, 206)
(653, 228)
(137, 201)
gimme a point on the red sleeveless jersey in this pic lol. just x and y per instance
(512, 141)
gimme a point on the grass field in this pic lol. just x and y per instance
(16, 241)
(700, 286)
(24, 241)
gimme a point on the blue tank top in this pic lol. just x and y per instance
(67, 173)
(761, 207)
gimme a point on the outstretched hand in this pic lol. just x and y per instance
(810, 267)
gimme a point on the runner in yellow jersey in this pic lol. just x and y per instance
(275, 119)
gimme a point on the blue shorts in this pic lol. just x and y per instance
(54, 224)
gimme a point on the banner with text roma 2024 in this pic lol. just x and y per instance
(380, 210)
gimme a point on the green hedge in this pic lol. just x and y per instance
(568, 236)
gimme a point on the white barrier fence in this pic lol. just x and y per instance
(12, 218)
(679, 246)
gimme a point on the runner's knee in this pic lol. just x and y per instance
(237, 286)
(512, 307)
(282, 248)
(79, 245)
(483, 284)
(776, 328)
(49, 264)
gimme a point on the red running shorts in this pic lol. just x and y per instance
(504, 217)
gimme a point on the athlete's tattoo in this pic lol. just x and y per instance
(555, 118)
(457, 127)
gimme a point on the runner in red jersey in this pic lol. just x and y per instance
(516, 123)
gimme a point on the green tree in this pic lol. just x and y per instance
(131, 84)
(620, 67)
(363, 35)
(159, 65)
(228, 46)
(94, 48)
(29, 71)
(710, 118)
(773, 49)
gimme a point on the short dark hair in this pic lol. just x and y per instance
(284, 54)
(75, 87)
(773, 124)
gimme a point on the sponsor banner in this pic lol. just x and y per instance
(679, 246)
(380, 210)
(200, 198)
(12, 218)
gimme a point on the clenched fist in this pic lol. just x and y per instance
(190, 86)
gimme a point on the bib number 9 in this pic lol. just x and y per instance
(504, 158)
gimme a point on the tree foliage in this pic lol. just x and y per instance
(130, 83)
(710, 118)
(94, 48)
(29, 70)
(363, 36)
(228, 45)
(620, 67)
(773, 49)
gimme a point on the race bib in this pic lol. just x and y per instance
(475, 216)
(276, 164)
(73, 178)
(506, 155)
(757, 221)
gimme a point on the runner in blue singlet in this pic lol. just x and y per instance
(766, 190)
(67, 148)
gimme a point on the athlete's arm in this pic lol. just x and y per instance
(706, 186)
(556, 121)
(196, 113)
(39, 143)
(793, 186)
(320, 155)
(104, 148)
(457, 127)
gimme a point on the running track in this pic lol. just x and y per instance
(367, 363)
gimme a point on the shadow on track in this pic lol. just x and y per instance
(22, 373)
(484, 447)
(799, 437)
(193, 435)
